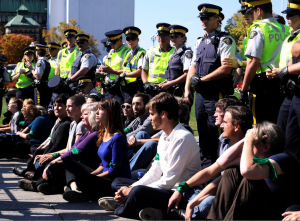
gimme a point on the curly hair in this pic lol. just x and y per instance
(31, 110)
(114, 118)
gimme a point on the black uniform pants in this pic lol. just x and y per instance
(130, 89)
(284, 113)
(42, 96)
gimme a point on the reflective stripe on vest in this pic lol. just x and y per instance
(286, 51)
(53, 66)
(115, 61)
(134, 64)
(158, 63)
(66, 60)
(274, 35)
(23, 80)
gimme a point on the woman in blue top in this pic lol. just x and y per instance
(93, 184)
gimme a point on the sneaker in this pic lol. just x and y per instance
(73, 196)
(47, 189)
(108, 203)
(66, 188)
(27, 185)
(151, 214)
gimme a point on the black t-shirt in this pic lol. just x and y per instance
(286, 189)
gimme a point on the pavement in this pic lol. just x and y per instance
(17, 204)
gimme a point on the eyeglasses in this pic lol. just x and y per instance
(126, 106)
(130, 39)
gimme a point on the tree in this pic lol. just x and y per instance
(238, 28)
(11, 46)
(56, 34)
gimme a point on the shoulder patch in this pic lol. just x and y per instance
(228, 41)
(87, 56)
(38, 64)
(189, 55)
(252, 34)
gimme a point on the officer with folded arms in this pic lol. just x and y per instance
(179, 63)
(210, 78)
(113, 65)
(4, 78)
(132, 65)
(156, 61)
(67, 56)
(40, 74)
(84, 65)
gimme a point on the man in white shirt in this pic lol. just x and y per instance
(177, 157)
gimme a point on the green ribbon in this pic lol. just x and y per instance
(56, 155)
(156, 157)
(183, 187)
(126, 130)
(76, 153)
(272, 171)
(115, 164)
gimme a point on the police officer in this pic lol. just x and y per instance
(113, 65)
(85, 64)
(210, 79)
(67, 56)
(86, 86)
(53, 50)
(106, 48)
(266, 36)
(288, 73)
(20, 74)
(133, 61)
(40, 74)
(4, 78)
(179, 63)
(156, 61)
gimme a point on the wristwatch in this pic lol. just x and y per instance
(123, 74)
(240, 64)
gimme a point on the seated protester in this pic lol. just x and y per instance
(86, 86)
(22, 122)
(235, 123)
(148, 149)
(148, 196)
(84, 150)
(127, 111)
(14, 106)
(140, 123)
(58, 137)
(87, 183)
(265, 181)
(93, 98)
(35, 133)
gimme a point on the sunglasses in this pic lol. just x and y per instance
(80, 43)
(126, 106)
(290, 15)
(130, 39)
(175, 36)
(163, 35)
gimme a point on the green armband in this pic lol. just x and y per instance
(272, 171)
(183, 187)
(56, 155)
(126, 130)
(115, 165)
(156, 157)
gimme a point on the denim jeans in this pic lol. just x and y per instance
(144, 154)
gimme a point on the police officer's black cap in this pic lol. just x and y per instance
(209, 10)
(28, 50)
(48, 56)
(244, 7)
(3, 58)
(279, 19)
(221, 16)
(177, 30)
(64, 45)
(293, 7)
(82, 37)
(132, 31)
(163, 28)
(54, 45)
(55, 82)
(84, 80)
(70, 32)
(41, 47)
(113, 36)
(253, 3)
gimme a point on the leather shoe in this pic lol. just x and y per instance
(19, 171)
(178, 214)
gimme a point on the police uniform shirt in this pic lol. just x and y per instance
(140, 61)
(88, 60)
(186, 58)
(224, 49)
(40, 66)
(145, 65)
(5, 75)
(255, 44)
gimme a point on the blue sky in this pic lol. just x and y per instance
(149, 13)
